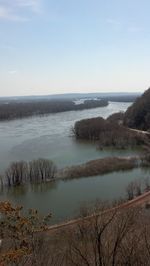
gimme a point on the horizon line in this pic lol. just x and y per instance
(72, 93)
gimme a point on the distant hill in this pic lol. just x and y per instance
(138, 114)
(116, 97)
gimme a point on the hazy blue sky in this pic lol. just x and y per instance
(56, 46)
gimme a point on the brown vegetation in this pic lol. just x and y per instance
(117, 237)
(18, 232)
(116, 118)
(100, 166)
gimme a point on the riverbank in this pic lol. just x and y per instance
(140, 201)
(81, 234)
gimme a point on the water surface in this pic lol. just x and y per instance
(49, 137)
(64, 198)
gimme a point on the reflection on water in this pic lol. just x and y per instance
(16, 191)
(42, 187)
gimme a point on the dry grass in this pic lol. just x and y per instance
(101, 166)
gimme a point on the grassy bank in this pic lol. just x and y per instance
(100, 166)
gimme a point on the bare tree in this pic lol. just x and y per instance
(147, 184)
(41, 170)
(17, 173)
(102, 239)
(137, 187)
(1, 182)
(130, 191)
(35, 171)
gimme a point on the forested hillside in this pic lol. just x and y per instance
(108, 133)
(138, 115)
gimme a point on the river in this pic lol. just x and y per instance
(50, 137)
(64, 198)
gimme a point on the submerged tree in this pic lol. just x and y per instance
(17, 173)
(41, 170)
(21, 172)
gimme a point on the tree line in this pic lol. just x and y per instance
(14, 109)
(138, 114)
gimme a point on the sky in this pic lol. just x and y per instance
(64, 46)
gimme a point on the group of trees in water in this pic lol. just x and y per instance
(21, 172)
(14, 109)
(109, 132)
